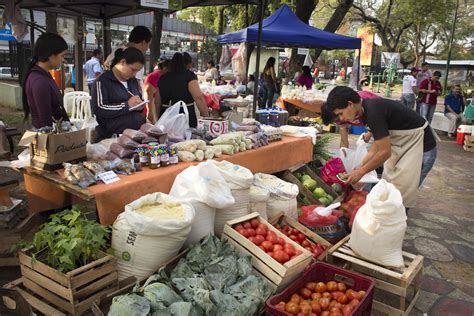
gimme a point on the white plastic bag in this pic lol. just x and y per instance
(96, 151)
(258, 200)
(379, 226)
(173, 122)
(143, 243)
(205, 189)
(352, 159)
(282, 195)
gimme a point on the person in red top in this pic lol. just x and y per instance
(151, 84)
(431, 89)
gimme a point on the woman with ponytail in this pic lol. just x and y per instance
(41, 96)
(116, 91)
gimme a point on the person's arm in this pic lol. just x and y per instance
(413, 86)
(344, 133)
(97, 70)
(149, 93)
(158, 103)
(272, 71)
(367, 136)
(104, 108)
(198, 97)
(379, 153)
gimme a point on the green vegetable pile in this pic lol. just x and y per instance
(69, 241)
(213, 279)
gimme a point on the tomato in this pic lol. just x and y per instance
(311, 285)
(324, 303)
(261, 247)
(321, 287)
(361, 294)
(301, 237)
(305, 292)
(281, 241)
(243, 232)
(325, 313)
(335, 314)
(297, 252)
(316, 307)
(280, 306)
(262, 226)
(336, 294)
(247, 224)
(332, 304)
(259, 239)
(280, 256)
(326, 294)
(251, 231)
(268, 245)
(335, 310)
(341, 287)
(305, 308)
(254, 223)
(277, 247)
(285, 228)
(292, 308)
(289, 249)
(351, 294)
(295, 298)
(316, 296)
(305, 243)
(347, 309)
(343, 299)
(261, 232)
(332, 286)
(293, 237)
(252, 239)
(271, 237)
(238, 227)
(308, 248)
(354, 302)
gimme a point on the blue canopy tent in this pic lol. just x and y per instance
(284, 29)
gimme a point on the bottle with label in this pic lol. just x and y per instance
(164, 155)
(142, 151)
(173, 152)
(155, 157)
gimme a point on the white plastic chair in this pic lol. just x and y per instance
(77, 103)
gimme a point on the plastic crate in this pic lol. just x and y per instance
(358, 130)
(323, 272)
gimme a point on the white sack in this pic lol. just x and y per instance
(380, 225)
(240, 208)
(142, 243)
(237, 177)
(258, 200)
(203, 222)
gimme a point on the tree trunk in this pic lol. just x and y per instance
(335, 21)
(220, 31)
(51, 22)
(107, 37)
(156, 42)
(304, 9)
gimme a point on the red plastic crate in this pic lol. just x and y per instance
(323, 272)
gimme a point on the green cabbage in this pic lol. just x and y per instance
(129, 305)
(160, 295)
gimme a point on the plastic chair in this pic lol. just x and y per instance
(69, 99)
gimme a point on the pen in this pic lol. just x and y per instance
(130, 93)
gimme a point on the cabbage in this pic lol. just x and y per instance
(130, 305)
(160, 295)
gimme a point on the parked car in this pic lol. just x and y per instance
(5, 72)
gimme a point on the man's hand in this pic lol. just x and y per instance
(355, 176)
(366, 136)
(134, 101)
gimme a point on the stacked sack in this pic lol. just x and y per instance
(258, 200)
(205, 189)
(239, 180)
(149, 232)
(282, 195)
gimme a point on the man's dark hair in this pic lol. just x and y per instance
(339, 97)
(327, 115)
(211, 62)
(139, 34)
(187, 58)
(457, 86)
(96, 52)
(437, 74)
(424, 64)
(177, 63)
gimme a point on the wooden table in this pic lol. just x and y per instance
(48, 190)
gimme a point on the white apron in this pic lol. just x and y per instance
(403, 168)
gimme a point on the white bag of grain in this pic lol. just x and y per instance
(149, 232)
(282, 195)
(258, 200)
(239, 180)
(205, 189)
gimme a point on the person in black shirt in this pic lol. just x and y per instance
(404, 141)
(180, 84)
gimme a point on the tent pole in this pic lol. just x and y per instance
(257, 59)
(358, 72)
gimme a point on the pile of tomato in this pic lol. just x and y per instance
(325, 299)
(267, 240)
(298, 237)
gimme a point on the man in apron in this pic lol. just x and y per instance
(402, 139)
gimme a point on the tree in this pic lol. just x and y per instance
(155, 45)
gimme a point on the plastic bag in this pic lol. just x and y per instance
(329, 227)
(330, 171)
(137, 136)
(96, 151)
(120, 151)
(380, 223)
(186, 156)
(351, 159)
(173, 122)
(127, 142)
(143, 243)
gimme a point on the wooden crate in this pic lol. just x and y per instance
(398, 282)
(469, 143)
(290, 177)
(279, 274)
(25, 230)
(312, 236)
(71, 293)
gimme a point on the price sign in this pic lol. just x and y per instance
(109, 177)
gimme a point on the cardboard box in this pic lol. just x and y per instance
(49, 151)
(215, 126)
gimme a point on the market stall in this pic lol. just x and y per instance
(49, 190)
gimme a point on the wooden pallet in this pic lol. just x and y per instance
(469, 143)
(312, 236)
(398, 282)
(279, 274)
(69, 293)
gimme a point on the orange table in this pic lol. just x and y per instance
(48, 190)
(314, 106)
